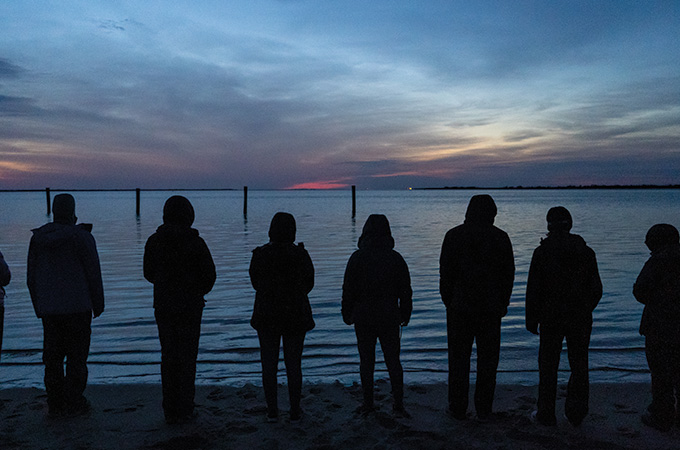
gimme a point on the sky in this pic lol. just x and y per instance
(327, 94)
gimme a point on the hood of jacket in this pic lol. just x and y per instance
(282, 228)
(178, 211)
(568, 242)
(376, 233)
(55, 235)
(170, 232)
(481, 210)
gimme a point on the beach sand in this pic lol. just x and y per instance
(130, 417)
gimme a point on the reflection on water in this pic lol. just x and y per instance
(125, 345)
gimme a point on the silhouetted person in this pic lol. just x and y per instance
(477, 271)
(65, 283)
(377, 299)
(5, 277)
(282, 275)
(178, 263)
(658, 288)
(563, 289)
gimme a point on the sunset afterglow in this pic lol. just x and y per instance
(320, 95)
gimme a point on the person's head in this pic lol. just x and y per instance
(559, 219)
(178, 211)
(481, 209)
(282, 229)
(64, 209)
(376, 232)
(660, 236)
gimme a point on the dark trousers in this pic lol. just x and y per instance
(292, 355)
(462, 331)
(179, 334)
(578, 340)
(367, 337)
(663, 358)
(66, 337)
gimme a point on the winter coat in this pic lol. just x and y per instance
(564, 284)
(179, 265)
(63, 274)
(377, 286)
(476, 269)
(282, 274)
(658, 288)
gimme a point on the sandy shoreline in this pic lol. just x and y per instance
(130, 417)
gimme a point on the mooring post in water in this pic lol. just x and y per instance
(49, 204)
(354, 201)
(245, 200)
(138, 195)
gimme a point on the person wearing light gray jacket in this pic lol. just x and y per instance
(65, 283)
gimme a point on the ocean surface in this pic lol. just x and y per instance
(125, 347)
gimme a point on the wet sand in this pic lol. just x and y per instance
(130, 417)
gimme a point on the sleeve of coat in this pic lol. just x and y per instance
(405, 292)
(446, 271)
(349, 294)
(532, 305)
(508, 270)
(595, 282)
(30, 277)
(207, 274)
(5, 274)
(646, 283)
(307, 272)
(150, 265)
(93, 273)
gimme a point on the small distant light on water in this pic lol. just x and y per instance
(410, 189)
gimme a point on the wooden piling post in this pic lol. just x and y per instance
(49, 202)
(245, 201)
(138, 197)
(354, 201)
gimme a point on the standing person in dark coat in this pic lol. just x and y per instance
(658, 288)
(5, 277)
(282, 275)
(65, 283)
(178, 263)
(377, 299)
(563, 289)
(477, 270)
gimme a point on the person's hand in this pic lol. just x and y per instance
(97, 312)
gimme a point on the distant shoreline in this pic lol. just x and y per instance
(591, 186)
(440, 188)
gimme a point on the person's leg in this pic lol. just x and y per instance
(366, 341)
(391, 347)
(169, 364)
(269, 356)
(576, 405)
(662, 408)
(78, 332)
(460, 338)
(549, 351)
(488, 350)
(292, 356)
(53, 358)
(188, 328)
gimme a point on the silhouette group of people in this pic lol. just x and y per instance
(476, 279)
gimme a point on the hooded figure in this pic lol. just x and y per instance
(179, 265)
(377, 299)
(65, 283)
(658, 288)
(477, 271)
(563, 289)
(282, 275)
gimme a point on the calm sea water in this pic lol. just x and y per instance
(125, 345)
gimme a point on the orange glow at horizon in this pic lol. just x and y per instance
(319, 185)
